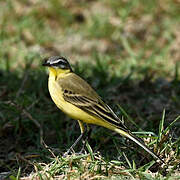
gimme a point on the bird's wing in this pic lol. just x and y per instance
(79, 93)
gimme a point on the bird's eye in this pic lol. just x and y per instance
(63, 66)
(60, 63)
(65, 91)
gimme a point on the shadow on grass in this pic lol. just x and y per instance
(26, 109)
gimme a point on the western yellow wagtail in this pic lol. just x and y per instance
(76, 98)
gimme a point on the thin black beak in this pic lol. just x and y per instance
(46, 63)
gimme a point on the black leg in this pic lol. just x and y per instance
(75, 143)
(83, 132)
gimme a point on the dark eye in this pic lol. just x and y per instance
(63, 66)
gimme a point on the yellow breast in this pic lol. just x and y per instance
(69, 109)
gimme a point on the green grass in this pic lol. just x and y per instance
(127, 50)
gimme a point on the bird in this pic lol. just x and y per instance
(76, 98)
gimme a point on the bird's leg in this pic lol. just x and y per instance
(74, 144)
(85, 141)
(83, 132)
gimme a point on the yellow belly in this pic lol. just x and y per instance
(69, 109)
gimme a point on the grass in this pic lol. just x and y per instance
(127, 50)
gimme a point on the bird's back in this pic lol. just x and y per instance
(83, 96)
(76, 85)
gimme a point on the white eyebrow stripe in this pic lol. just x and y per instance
(55, 61)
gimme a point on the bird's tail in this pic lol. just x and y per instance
(137, 141)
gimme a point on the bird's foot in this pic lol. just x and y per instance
(71, 150)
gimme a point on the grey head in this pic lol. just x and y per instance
(57, 62)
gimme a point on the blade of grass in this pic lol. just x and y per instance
(171, 124)
(128, 117)
(146, 166)
(127, 160)
(18, 174)
(161, 126)
(134, 165)
(90, 151)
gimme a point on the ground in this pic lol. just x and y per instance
(127, 50)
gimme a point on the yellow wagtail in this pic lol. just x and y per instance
(76, 98)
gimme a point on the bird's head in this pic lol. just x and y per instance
(58, 64)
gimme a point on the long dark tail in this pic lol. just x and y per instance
(137, 141)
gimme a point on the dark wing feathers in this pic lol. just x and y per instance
(77, 92)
